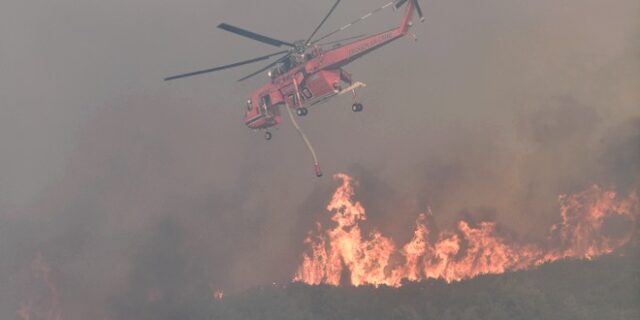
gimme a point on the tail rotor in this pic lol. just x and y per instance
(416, 5)
(399, 3)
(418, 9)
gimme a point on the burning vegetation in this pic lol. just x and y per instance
(593, 222)
(44, 302)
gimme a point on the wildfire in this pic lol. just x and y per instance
(42, 306)
(465, 252)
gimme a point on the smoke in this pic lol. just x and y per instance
(144, 195)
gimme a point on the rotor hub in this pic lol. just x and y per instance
(300, 46)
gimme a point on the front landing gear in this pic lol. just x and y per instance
(301, 112)
(357, 107)
(267, 136)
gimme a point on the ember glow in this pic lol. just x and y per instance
(465, 252)
(43, 302)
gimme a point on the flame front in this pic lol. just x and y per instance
(468, 251)
(46, 307)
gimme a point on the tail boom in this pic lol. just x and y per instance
(345, 54)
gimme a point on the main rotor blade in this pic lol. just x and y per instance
(225, 66)
(254, 36)
(322, 22)
(265, 68)
(354, 22)
(342, 40)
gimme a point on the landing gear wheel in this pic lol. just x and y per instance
(301, 112)
(267, 135)
(357, 107)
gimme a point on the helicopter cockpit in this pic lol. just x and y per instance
(289, 63)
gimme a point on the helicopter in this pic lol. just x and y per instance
(306, 74)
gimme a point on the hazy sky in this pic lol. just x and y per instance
(497, 108)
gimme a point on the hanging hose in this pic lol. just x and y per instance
(316, 165)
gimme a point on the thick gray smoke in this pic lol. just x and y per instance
(135, 191)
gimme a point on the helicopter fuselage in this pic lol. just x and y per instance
(319, 77)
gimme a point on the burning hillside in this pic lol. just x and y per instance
(593, 222)
(606, 288)
(43, 302)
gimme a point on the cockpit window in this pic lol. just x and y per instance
(265, 103)
(266, 100)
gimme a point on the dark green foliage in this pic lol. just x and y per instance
(608, 288)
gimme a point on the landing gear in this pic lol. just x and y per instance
(301, 112)
(267, 135)
(357, 106)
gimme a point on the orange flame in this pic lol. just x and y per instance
(468, 251)
(39, 308)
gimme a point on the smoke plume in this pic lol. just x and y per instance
(143, 199)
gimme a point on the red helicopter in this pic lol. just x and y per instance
(306, 74)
